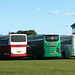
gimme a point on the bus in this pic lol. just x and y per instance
(13, 45)
(41, 45)
(67, 45)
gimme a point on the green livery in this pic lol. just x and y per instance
(41, 45)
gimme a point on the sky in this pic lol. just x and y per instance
(43, 16)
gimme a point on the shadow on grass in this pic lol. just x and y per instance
(29, 58)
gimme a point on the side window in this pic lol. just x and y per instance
(6, 41)
(69, 42)
(66, 42)
(3, 41)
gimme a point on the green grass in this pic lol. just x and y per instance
(38, 67)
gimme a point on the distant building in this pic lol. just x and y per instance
(73, 28)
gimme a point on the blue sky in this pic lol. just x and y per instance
(43, 16)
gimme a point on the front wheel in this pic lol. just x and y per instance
(63, 55)
(35, 56)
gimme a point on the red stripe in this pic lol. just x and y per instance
(18, 45)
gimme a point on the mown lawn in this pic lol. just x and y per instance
(38, 67)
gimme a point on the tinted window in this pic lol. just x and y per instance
(18, 38)
(66, 42)
(52, 37)
(3, 41)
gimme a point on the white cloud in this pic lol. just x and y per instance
(53, 12)
(69, 14)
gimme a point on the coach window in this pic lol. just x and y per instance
(66, 42)
(18, 38)
(69, 42)
(3, 41)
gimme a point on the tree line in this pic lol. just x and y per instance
(28, 32)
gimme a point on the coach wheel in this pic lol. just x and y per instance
(63, 55)
(35, 57)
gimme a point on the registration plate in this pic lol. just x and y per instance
(52, 53)
(18, 51)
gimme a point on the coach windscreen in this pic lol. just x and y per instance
(18, 38)
(52, 37)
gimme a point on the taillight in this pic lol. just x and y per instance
(44, 51)
(60, 51)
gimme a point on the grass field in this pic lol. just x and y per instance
(38, 67)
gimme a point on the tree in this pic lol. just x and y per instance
(29, 32)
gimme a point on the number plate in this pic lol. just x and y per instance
(18, 51)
